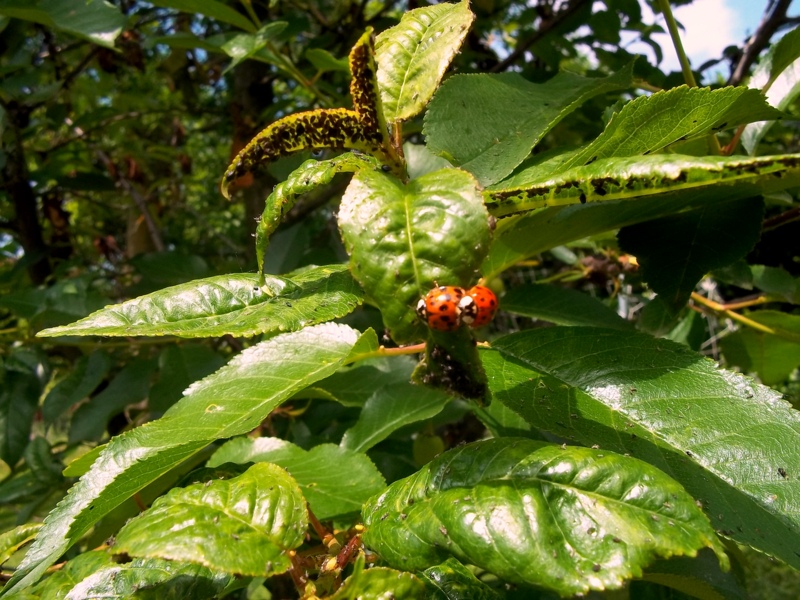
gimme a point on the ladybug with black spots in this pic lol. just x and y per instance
(484, 305)
(441, 307)
(448, 307)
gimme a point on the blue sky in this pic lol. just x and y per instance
(710, 26)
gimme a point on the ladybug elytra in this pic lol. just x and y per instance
(448, 307)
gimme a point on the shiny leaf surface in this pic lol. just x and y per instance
(228, 304)
(569, 519)
(230, 402)
(263, 511)
(403, 238)
(413, 55)
(724, 437)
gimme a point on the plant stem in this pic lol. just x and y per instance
(686, 68)
(723, 310)
(666, 10)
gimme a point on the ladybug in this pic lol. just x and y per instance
(482, 308)
(442, 308)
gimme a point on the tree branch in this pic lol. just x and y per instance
(774, 17)
(570, 9)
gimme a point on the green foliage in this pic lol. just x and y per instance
(184, 414)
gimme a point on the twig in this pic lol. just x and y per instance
(720, 309)
(774, 17)
(789, 216)
(545, 28)
(138, 199)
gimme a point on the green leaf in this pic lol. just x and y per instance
(413, 55)
(379, 583)
(663, 185)
(403, 238)
(324, 61)
(151, 579)
(95, 20)
(778, 77)
(307, 177)
(488, 124)
(454, 581)
(131, 385)
(19, 399)
(227, 304)
(773, 357)
(568, 519)
(675, 252)
(648, 124)
(241, 526)
(245, 45)
(721, 435)
(389, 409)
(210, 8)
(87, 373)
(13, 540)
(562, 306)
(330, 492)
(233, 401)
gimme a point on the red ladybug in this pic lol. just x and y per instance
(443, 307)
(483, 307)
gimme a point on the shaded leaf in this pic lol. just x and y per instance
(227, 304)
(151, 579)
(87, 373)
(773, 357)
(388, 409)
(675, 252)
(379, 583)
(19, 399)
(569, 519)
(231, 402)
(95, 20)
(413, 55)
(698, 577)
(721, 435)
(178, 367)
(488, 124)
(403, 238)
(335, 481)
(454, 581)
(210, 8)
(562, 306)
(129, 386)
(241, 526)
